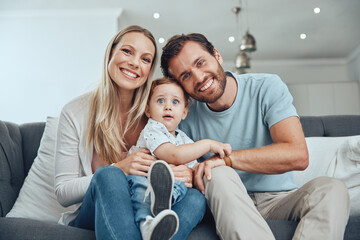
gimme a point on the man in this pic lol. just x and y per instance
(255, 114)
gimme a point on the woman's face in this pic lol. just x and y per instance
(131, 60)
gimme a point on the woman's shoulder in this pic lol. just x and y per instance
(79, 105)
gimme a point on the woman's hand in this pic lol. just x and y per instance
(205, 168)
(183, 173)
(137, 163)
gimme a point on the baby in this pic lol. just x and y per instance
(167, 106)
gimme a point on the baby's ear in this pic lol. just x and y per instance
(147, 112)
(186, 110)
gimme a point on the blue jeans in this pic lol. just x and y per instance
(107, 208)
(141, 205)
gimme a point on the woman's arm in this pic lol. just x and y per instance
(185, 153)
(70, 182)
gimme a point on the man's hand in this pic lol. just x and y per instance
(205, 168)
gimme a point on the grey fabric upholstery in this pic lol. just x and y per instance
(31, 134)
(18, 149)
(11, 165)
(20, 228)
(331, 126)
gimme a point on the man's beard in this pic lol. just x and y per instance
(219, 77)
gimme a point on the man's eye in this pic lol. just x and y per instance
(186, 76)
(161, 101)
(175, 102)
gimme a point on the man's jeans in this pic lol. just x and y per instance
(107, 208)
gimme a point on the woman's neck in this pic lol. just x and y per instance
(125, 98)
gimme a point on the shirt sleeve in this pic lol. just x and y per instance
(155, 134)
(70, 184)
(276, 102)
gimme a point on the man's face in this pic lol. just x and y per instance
(199, 72)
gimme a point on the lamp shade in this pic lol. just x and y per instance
(242, 61)
(248, 43)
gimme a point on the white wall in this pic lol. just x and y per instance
(319, 86)
(48, 57)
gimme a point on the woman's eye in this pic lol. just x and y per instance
(161, 101)
(127, 51)
(200, 63)
(175, 102)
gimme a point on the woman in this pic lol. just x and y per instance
(97, 129)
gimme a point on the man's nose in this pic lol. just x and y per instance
(198, 75)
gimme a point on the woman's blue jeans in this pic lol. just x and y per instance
(107, 208)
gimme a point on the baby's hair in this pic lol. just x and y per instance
(164, 80)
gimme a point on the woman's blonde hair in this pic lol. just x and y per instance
(106, 128)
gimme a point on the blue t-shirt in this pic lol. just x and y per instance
(261, 101)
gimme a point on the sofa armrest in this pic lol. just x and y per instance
(11, 165)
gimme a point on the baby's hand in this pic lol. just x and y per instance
(223, 149)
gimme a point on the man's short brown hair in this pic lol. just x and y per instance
(174, 46)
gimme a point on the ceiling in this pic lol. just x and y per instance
(276, 24)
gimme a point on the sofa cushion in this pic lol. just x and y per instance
(20, 228)
(37, 199)
(337, 157)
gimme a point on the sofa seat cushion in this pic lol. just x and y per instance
(21, 228)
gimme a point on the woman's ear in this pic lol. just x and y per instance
(218, 56)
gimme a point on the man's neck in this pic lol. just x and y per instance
(228, 97)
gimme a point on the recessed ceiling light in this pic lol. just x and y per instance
(161, 40)
(303, 36)
(156, 15)
(231, 39)
(316, 10)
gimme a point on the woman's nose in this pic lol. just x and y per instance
(134, 62)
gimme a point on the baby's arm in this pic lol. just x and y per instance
(186, 153)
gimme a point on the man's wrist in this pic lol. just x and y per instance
(228, 161)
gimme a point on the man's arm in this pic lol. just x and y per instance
(287, 153)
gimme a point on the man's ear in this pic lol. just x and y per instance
(147, 112)
(186, 110)
(218, 56)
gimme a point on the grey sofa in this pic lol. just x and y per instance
(18, 148)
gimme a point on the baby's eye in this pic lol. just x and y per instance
(161, 101)
(148, 60)
(175, 102)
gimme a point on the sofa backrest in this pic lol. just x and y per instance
(19, 145)
(16, 141)
(331, 125)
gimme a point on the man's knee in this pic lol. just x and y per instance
(222, 179)
(332, 188)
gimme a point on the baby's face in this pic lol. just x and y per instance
(167, 105)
